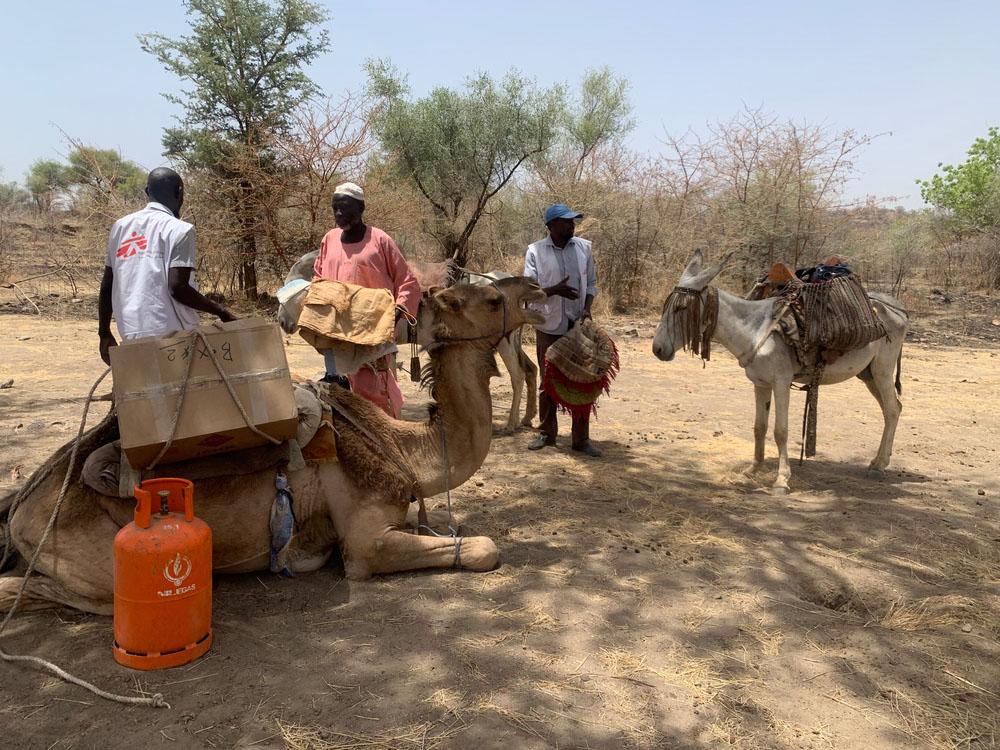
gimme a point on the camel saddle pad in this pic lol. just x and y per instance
(586, 354)
(323, 447)
(347, 312)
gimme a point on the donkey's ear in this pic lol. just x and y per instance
(694, 265)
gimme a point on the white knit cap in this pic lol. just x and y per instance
(351, 190)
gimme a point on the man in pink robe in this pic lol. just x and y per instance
(364, 255)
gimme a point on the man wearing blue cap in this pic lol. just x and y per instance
(563, 265)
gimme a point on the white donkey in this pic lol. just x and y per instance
(746, 328)
(519, 366)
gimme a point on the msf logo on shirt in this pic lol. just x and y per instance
(131, 246)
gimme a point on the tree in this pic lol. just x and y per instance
(327, 139)
(598, 117)
(970, 191)
(969, 196)
(245, 61)
(103, 173)
(461, 148)
(12, 196)
(771, 190)
(46, 180)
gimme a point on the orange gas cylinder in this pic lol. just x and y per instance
(163, 579)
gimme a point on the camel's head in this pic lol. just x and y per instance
(681, 308)
(479, 314)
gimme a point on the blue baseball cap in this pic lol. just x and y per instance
(561, 211)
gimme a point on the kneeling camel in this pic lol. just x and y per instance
(333, 506)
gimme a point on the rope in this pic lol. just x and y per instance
(810, 414)
(467, 272)
(452, 532)
(198, 334)
(746, 359)
(156, 700)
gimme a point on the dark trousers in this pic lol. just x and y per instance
(547, 407)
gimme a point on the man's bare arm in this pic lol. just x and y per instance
(179, 281)
(104, 309)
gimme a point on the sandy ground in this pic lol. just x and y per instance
(655, 598)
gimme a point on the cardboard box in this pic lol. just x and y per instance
(149, 374)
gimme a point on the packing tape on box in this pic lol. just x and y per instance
(203, 383)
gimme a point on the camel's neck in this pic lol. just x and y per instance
(742, 323)
(463, 425)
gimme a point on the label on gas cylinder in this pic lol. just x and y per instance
(176, 571)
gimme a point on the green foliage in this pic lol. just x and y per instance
(45, 180)
(104, 171)
(99, 173)
(969, 191)
(596, 118)
(602, 112)
(244, 60)
(461, 147)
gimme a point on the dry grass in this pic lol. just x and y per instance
(956, 719)
(527, 723)
(526, 620)
(423, 736)
(974, 563)
(768, 640)
(936, 613)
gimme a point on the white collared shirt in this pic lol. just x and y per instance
(548, 265)
(142, 248)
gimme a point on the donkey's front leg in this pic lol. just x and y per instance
(781, 396)
(762, 395)
(508, 353)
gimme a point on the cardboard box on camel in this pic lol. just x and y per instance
(149, 375)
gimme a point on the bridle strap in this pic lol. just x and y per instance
(504, 333)
(679, 290)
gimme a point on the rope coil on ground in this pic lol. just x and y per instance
(156, 701)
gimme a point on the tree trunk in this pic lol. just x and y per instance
(248, 278)
(248, 245)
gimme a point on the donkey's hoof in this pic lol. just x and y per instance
(878, 467)
(779, 490)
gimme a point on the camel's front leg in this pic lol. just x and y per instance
(781, 396)
(394, 551)
(437, 519)
(762, 396)
(43, 592)
(372, 543)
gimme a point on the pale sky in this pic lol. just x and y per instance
(928, 72)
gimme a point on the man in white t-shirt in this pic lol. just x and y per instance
(148, 277)
(563, 266)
